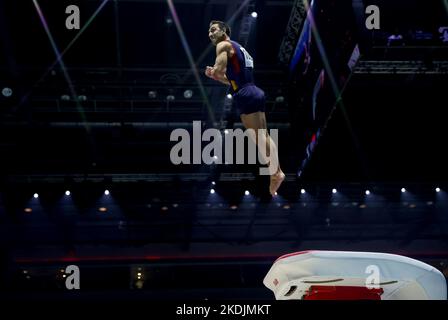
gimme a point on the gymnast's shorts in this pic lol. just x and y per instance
(249, 99)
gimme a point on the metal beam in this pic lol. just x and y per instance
(401, 67)
(291, 37)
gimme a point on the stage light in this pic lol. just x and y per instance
(275, 193)
(106, 192)
(139, 281)
(102, 209)
(170, 97)
(36, 196)
(229, 96)
(403, 190)
(302, 191)
(188, 94)
(212, 191)
(254, 14)
(213, 183)
(334, 190)
(82, 98)
(437, 189)
(280, 99)
(7, 92)
(67, 193)
(152, 94)
(246, 192)
(226, 131)
(367, 192)
(65, 97)
(335, 204)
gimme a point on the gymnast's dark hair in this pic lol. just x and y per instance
(222, 25)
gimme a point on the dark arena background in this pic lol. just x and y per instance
(86, 114)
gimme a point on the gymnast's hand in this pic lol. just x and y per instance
(208, 72)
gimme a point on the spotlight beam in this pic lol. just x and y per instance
(187, 49)
(61, 62)
(336, 91)
(59, 56)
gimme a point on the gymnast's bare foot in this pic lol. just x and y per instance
(276, 181)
